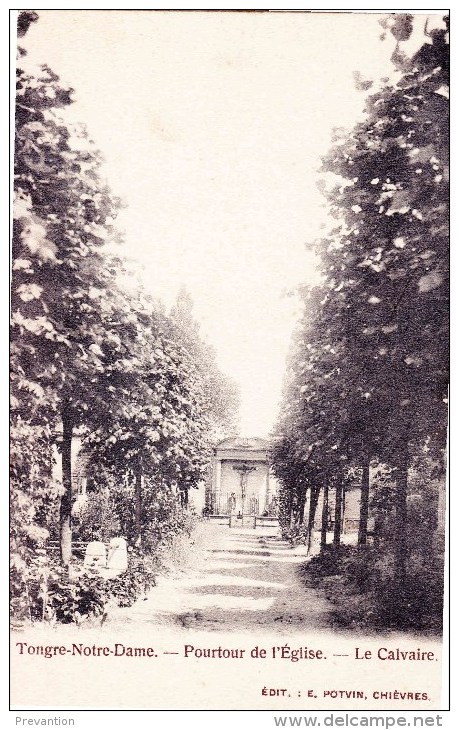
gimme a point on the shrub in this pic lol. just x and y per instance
(42, 590)
(71, 599)
(360, 584)
(295, 534)
(418, 603)
(51, 593)
(327, 563)
(127, 587)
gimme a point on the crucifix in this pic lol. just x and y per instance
(244, 470)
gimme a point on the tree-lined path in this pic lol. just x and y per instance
(235, 579)
(118, 402)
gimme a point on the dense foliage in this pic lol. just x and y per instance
(368, 373)
(138, 385)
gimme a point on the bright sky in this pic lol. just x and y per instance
(212, 126)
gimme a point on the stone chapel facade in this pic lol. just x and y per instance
(241, 481)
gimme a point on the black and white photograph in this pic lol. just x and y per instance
(229, 360)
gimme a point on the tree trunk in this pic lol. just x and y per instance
(323, 532)
(138, 507)
(65, 516)
(291, 513)
(314, 498)
(364, 501)
(338, 512)
(301, 506)
(401, 517)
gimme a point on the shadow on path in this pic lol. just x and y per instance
(241, 579)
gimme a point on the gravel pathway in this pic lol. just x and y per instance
(234, 579)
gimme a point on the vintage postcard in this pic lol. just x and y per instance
(229, 360)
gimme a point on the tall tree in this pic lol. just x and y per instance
(62, 280)
(370, 373)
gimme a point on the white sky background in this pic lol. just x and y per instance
(212, 126)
